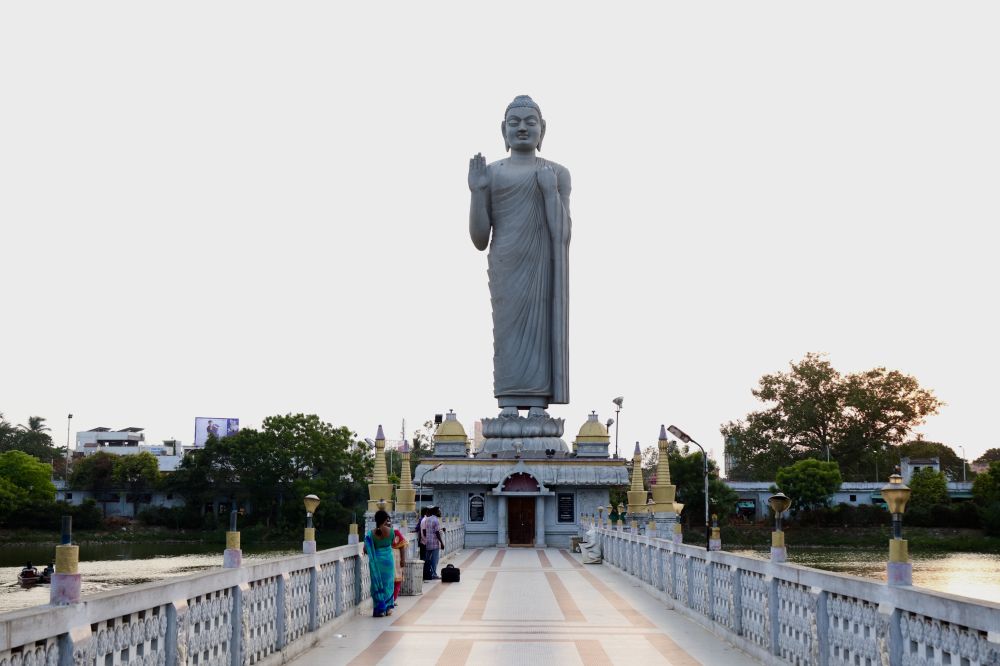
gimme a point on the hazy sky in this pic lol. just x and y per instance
(243, 209)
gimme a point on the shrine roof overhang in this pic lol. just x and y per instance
(466, 472)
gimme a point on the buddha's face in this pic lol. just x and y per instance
(523, 129)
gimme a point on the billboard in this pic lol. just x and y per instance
(203, 427)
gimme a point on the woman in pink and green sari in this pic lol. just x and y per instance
(378, 547)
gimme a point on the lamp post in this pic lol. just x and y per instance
(69, 421)
(651, 523)
(621, 516)
(684, 437)
(232, 556)
(65, 585)
(618, 411)
(678, 530)
(899, 570)
(715, 543)
(963, 462)
(309, 537)
(421, 486)
(779, 503)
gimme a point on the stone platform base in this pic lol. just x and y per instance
(232, 558)
(715, 544)
(65, 589)
(309, 547)
(413, 578)
(779, 554)
(899, 573)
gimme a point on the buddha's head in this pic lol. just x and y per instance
(523, 127)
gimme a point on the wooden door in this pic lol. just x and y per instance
(521, 520)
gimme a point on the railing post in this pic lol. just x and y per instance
(175, 625)
(821, 646)
(358, 593)
(689, 573)
(774, 609)
(890, 636)
(281, 610)
(236, 642)
(660, 584)
(78, 641)
(338, 590)
(314, 572)
(709, 586)
(736, 599)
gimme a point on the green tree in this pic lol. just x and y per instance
(24, 481)
(687, 473)
(986, 487)
(813, 411)
(928, 489)
(809, 483)
(7, 432)
(951, 462)
(95, 473)
(268, 471)
(138, 474)
(32, 438)
(991, 455)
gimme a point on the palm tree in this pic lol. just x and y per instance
(35, 440)
(36, 424)
(7, 435)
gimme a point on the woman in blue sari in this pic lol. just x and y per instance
(378, 547)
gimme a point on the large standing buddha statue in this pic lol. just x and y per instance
(520, 210)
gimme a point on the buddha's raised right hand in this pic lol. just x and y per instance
(479, 177)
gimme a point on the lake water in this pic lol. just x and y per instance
(975, 575)
(110, 566)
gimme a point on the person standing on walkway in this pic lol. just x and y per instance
(399, 545)
(381, 564)
(431, 532)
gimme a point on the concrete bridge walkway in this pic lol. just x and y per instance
(526, 606)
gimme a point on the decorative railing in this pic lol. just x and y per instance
(790, 614)
(258, 614)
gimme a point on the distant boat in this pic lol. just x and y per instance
(29, 576)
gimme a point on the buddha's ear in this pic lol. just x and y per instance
(503, 133)
(541, 136)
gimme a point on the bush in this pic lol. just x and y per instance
(178, 517)
(843, 515)
(989, 516)
(87, 515)
(961, 514)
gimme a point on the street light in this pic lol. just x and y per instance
(618, 411)
(684, 437)
(309, 536)
(421, 486)
(69, 420)
(963, 462)
(899, 571)
(779, 503)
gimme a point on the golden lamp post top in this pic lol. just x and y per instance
(896, 494)
(311, 502)
(779, 503)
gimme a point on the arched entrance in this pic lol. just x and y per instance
(521, 510)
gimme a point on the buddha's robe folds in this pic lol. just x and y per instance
(529, 290)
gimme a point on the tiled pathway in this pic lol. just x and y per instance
(522, 606)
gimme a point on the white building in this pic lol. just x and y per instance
(129, 441)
